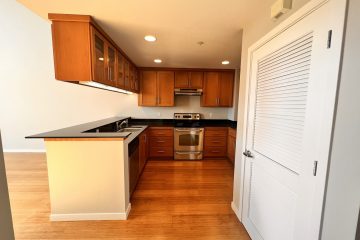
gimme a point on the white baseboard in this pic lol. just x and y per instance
(24, 151)
(91, 216)
(236, 210)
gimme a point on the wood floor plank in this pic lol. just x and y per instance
(173, 200)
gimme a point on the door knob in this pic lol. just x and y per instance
(248, 154)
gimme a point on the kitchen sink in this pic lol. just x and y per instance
(113, 127)
(130, 129)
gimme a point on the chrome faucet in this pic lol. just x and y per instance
(120, 125)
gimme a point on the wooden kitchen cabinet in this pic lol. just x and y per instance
(231, 144)
(104, 59)
(127, 74)
(110, 65)
(136, 80)
(165, 88)
(143, 150)
(196, 80)
(120, 76)
(226, 89)
(148, 88)
(189, 80)
(181, 79)
(211, 90)
(218, 89)
(215, 142)
(84, 53)
(98, 49)
(156, 88)
(161, 142)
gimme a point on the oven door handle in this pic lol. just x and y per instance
(178, 130)
(187, 153)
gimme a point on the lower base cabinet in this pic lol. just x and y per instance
(215, 142)
(133, 150)
(143, 150)
(231, 144)
(161, 142)
(138, 155)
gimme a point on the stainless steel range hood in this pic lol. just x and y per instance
(188, 92)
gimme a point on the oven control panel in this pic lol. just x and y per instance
(187, 116)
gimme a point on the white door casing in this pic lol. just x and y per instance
(292, 82)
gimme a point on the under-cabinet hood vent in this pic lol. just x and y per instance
(188, 92)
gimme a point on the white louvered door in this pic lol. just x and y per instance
(293, 79)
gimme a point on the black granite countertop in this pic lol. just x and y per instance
(79, 131)
(171, 122)
(107, 126)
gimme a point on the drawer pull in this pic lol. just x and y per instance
(160, 151)
(160, 141)
(215, 151)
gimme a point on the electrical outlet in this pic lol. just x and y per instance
(159, 114)
(210, 115)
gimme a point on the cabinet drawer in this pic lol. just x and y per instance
(154, 131)
(215, 141)
(161, 152)
(215, 152)
(161, 142)
(216, 131)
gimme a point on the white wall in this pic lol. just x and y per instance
(251, 34)
(342, 201)
(32, 101)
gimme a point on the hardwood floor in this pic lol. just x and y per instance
(173, 200)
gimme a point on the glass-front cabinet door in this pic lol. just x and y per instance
(98, 58)
(127, 73)
(120, 71)
(111, 65)
(131, 77)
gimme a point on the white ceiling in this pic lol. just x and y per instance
(177, 24)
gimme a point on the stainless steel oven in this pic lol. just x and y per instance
(188, 140)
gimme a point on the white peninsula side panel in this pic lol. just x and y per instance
(88, 179)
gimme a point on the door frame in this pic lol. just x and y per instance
(297, 16)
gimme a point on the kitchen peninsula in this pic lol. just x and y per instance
(93, 168)
(88, 170)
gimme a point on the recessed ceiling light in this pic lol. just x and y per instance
(225, 62)
(150, 38)
(158, 60)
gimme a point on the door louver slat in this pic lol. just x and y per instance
(281, 96)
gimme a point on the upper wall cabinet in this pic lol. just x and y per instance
(189, 80)
(218, 89)
(84, 53)
(156, 88)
